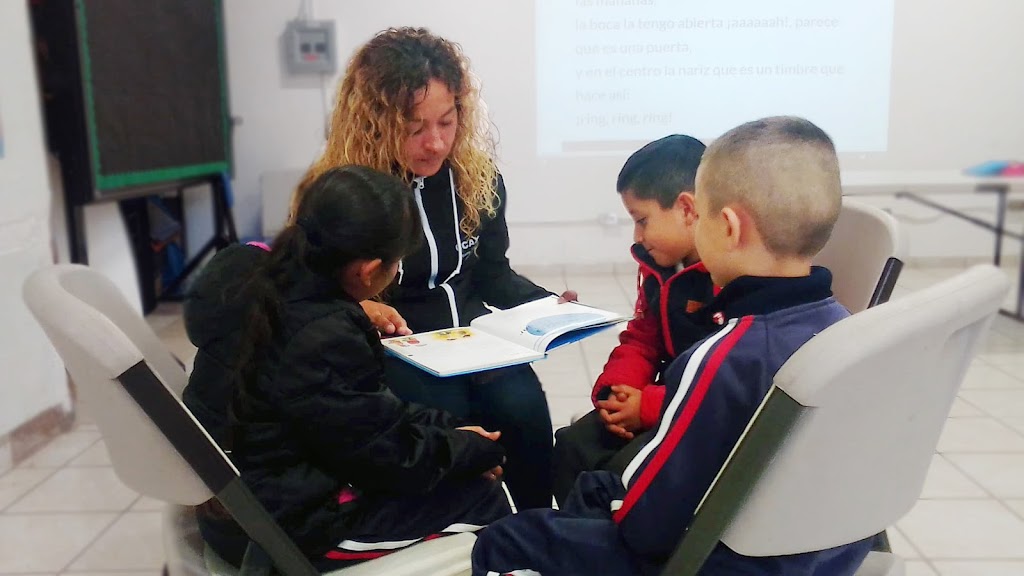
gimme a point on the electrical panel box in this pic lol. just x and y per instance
(310, 48)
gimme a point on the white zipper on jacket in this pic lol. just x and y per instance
(458, 230)
(432, 245)
(431, 242)
(458, 248)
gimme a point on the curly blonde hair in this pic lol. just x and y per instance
(374, 104)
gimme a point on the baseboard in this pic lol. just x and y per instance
(27, 439)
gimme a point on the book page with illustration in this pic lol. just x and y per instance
(503, 338)
(540, 323)
(455, 351)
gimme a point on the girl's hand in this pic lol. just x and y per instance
(385, 319)
(489, 435)
(494, 473)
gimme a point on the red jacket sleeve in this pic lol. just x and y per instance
(635, 361)
(650, 405)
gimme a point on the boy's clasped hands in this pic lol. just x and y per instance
(620, 412)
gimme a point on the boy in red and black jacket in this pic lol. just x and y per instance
(656, 184)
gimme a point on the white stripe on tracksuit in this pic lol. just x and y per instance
(356, 546)
(674, 403)
(432, 245)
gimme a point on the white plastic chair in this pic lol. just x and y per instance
(130, 384)
(841, 445)
(864, 255)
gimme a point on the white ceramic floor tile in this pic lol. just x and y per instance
(593, 281)
(999, 343)
(628, 285)
(1000, 474)
(572, 384)
(563, 359)
(983, 375)
(1011, 362)
(978, 568)
(1008, 326)
(18, 482)
(979, 435)
(78, 490)
(963, 409)
(95, 455)
(46, 542)
(595, 356)
(62, 449)
(165, 314)
(1015, 423)
(147, 504)
(918, 568)
(964, 529)
(587, 286)
(900, 545)
(1017, 506)
(611, 302)
(999, 403)
(133, 542)
(552, 282)
(945, 481)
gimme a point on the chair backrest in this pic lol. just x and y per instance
(156, 445)
(94, 290)
(864, 255)
(97, 334)
(839, 449)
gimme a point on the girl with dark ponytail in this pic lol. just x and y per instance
(349, 471)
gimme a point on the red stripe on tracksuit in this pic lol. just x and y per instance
(682, 424)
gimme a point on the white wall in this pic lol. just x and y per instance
(33, 374)
(554, 220)
(282, 120)
(106, 239)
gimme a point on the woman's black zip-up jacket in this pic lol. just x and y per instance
(446, 282)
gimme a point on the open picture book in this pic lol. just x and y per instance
(518, 335)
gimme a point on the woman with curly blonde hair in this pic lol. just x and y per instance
(408, 105)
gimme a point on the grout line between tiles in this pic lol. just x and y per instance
(92, 542)
(53, 471)
(984, 489)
